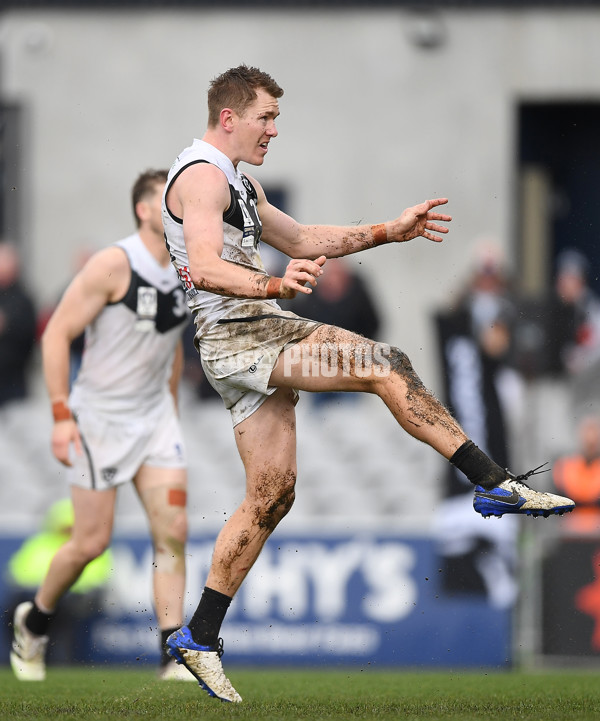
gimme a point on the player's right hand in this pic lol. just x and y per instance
(420, 220)
(300, 275)
(63, 434)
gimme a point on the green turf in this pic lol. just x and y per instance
(285, 695)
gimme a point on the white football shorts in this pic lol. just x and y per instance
(116, 445)
(238, 353)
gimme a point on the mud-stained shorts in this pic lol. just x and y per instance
(117, 445)
(239, 352)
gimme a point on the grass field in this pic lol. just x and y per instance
(284, 695)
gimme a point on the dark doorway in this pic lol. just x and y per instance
(562, 142)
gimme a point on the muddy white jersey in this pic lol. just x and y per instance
(130, 345)
(241, 234)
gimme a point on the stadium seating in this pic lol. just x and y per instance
(353, 463)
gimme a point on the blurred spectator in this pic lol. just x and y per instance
(17, 327)
(574, 314)
(578, 475)
(483, 389)
(27, 568)
(558, 350)
(559, 336)
(487, 295)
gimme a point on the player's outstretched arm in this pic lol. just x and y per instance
(312, 241)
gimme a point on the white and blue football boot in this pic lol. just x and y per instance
(203, 662)
(514, 496)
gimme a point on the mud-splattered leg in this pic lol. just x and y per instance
(333, 359)
(267, 445)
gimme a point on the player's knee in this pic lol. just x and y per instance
(178, 527)
(91, 548)
(169, 543)
(169, 556)
(400, 363)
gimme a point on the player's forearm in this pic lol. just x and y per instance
(224, 278)
(55, 365)
(335, 240)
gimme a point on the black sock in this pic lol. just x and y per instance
(208, 617)
(164, 635)
(477, 467)
(37, 621)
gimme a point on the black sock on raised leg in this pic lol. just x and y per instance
(477, 466)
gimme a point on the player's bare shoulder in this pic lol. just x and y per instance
(200, 185)
(107, 272)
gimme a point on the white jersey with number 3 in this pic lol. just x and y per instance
(241, 233)
(130, 345)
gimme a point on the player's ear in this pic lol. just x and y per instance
(227, 118)
(142, 210)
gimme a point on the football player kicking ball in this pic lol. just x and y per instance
(258, 356)
(120, 419)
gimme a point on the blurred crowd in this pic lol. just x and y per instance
(520, 375)
(542, 353)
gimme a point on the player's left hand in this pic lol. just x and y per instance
(65, 433)
(419, 220)
(300, 275)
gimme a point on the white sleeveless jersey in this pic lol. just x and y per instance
(241, 234)
(130, 345)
